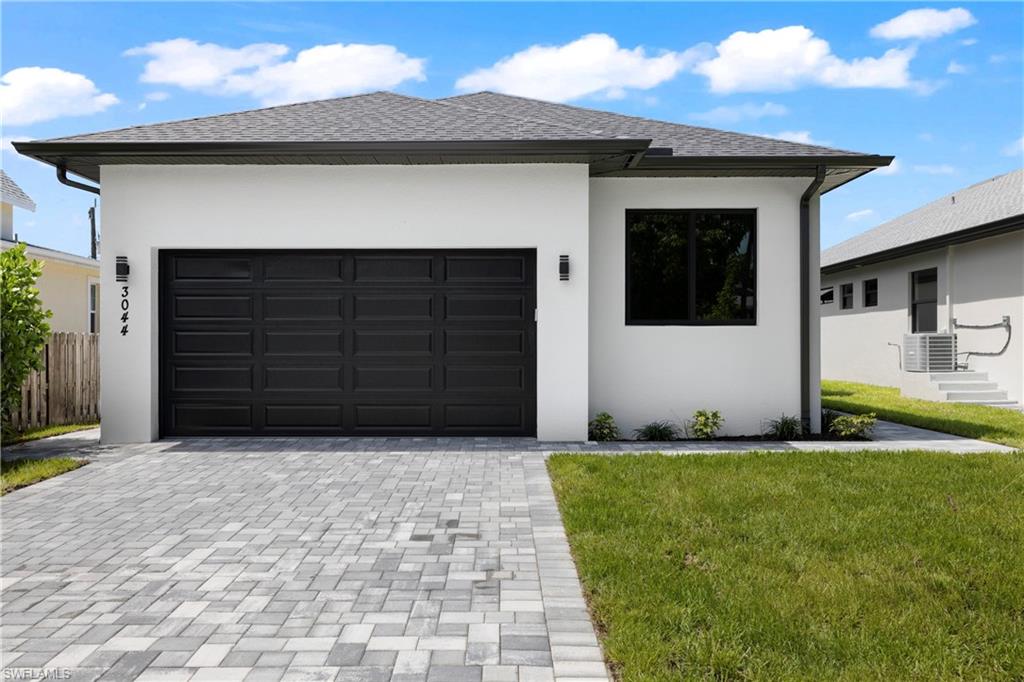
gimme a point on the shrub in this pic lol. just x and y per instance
(785, 428)
(853, 425)
(705, 424)
(603, 428)
(23, 326)
(661, 430)
(827, 417)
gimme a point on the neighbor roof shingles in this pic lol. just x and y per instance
(994, 199)
(12, 194)
(485, 116)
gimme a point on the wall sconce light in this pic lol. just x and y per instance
(563, 268)
(121, 269)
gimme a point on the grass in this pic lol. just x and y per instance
(983, 422)
(47, 431)
(801, 566)
(19, 473)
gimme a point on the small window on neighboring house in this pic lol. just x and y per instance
(846, 296)
(924, 301)
(870, 293)
(94, 308)
(828, 295)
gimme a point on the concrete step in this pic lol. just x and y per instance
(957, 396)
(968, 386)
(959, 376)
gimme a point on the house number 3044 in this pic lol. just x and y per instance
(124, 311)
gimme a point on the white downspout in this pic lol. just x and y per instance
(950, 314)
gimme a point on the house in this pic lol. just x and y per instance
(70, 284)
(950, 275)
(475, 265)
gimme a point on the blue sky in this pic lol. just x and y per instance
(939, 88)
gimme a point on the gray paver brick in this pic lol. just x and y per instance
(277, 559)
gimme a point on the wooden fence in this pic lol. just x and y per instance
(67, 390)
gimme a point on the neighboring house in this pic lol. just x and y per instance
(477, 265)
(70, 284)
(954, 267)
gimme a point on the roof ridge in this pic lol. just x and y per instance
(651, 120)
(236, 113)
(566, 126)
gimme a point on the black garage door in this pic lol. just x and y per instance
(347, 343)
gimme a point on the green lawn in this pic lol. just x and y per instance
(992, 424)
(801, 566)
(47, 431)
(19, 473)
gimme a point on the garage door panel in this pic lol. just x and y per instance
(218, 343)
(347, 343)
(394, 269)
(285, 269)
(393, 307)
(308, 416)
(470, 307)
(211, 379)
(213, 269)
(303, 343)
(209, 307)
(302, 307)
(400, 342)
(303, 378)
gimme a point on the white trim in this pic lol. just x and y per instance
(90, 282)
(53, 254)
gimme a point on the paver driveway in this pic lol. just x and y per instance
(288, 559)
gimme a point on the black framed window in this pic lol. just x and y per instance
(924, 300)
(691, 267)
(828, 295)
(870, 293)
(846, 296)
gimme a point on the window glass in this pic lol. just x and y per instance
(725, 266)
(828, 295)
(658, 265)
(870, 293)
(691, 267)
(924, 290)
(846, 296)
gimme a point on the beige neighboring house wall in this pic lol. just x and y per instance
(64, 287)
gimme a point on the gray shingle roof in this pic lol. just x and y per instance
(10, 193)
(994, 199)
(374, 117)
(684, 140)
(485, 116)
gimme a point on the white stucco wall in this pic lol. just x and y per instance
(987, 283)
(148, 208)
(749, 373)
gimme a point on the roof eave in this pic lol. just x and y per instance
(992, 229)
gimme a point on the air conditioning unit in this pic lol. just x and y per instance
(929, 352)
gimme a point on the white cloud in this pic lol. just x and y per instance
(967, 42)
(1015, 148)
(776, 60)
(860, 215)
(892, 169)
(260, 70)
(939, 169)
(924, 24)
(741, 112)
(593, 65)
(801, 136)
(5, 142)
(32, 94)
(956, 67)
(157, 96)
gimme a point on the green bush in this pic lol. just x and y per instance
(603, 428)
(827, 417)
(784, 428)
(853, 425)
(661, 430)
(23, 326)
(705, 424)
